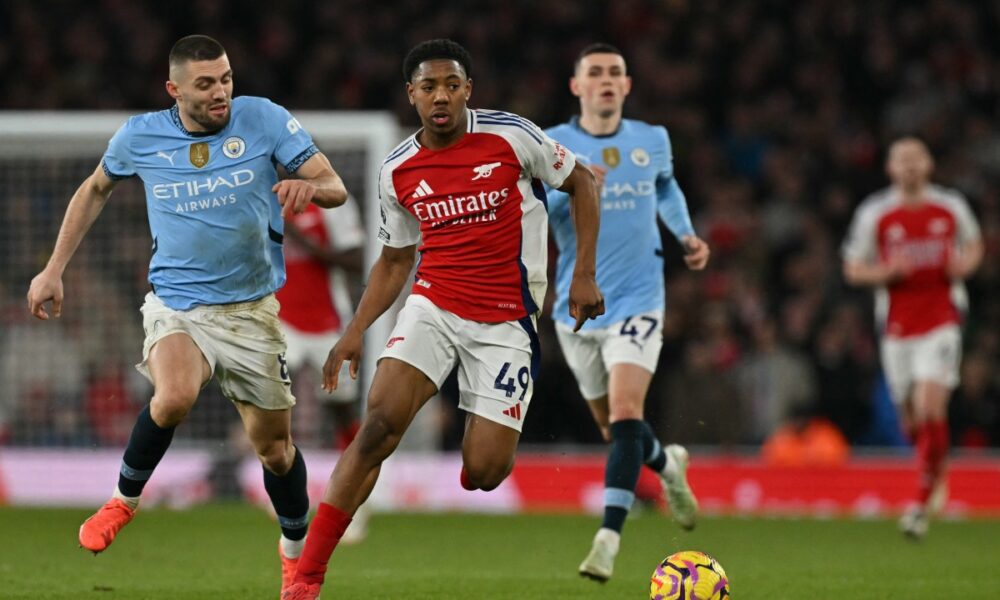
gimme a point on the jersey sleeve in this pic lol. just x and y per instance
(671, 203)
(117, 160)
(397, 227)
(861, 243)
(967, 227)
(292, 144)
(344, 225)
(541, 156)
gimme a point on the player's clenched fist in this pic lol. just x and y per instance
(696, 252)
(585, 300)
(348, 348)
(294, 195)
(45, 287)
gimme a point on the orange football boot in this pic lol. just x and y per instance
(97, 532)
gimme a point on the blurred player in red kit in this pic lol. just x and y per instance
(916, 243)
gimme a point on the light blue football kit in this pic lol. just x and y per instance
(638, 185)
(216, 225)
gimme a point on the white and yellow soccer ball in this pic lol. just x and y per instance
(689, 575)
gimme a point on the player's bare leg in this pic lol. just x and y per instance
(398, 391)
(488, 451)
(178, 370)
(284, 479)
(930, 412)
(347, 424)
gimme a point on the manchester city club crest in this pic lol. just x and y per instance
(198, 153)
(640, 157)
(611, 156)
(234, 147)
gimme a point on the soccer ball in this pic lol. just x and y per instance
(689, 575)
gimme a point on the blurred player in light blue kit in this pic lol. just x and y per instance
(614, 356)
(216, 210)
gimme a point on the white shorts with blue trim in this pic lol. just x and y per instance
(497, 362)
(591, 353)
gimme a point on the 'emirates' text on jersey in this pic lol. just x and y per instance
(216, 225)
(925, 235)
(477, 208)
(638, 184)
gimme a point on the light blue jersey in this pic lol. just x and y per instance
(216, 225)
(639, 184)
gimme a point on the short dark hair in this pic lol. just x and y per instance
(432, 49)
(195, 47)
(598, 48)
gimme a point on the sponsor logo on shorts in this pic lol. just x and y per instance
(392, 341)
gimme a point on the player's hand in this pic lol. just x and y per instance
(897, 267)
(585, 299)
(958, 267)
(45, 287)
(294, 195)
(599, 173)
(696, 252)
(348, 348)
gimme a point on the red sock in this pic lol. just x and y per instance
(932, 448)
(464, 479)
(325, 532)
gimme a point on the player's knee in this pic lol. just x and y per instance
(276, 456)
(171, 404)
(379, 434)
(487, 475)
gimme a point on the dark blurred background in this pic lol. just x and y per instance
(780, 114)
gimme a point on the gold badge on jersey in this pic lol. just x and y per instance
(199, 154)
(611, 156)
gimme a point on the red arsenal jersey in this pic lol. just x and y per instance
(477, 209)
(315, 298)
(925, 235)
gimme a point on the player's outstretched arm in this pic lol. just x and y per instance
(388, 276)
(585, 298)
(860, 273)
(316, 182)
(84, 206)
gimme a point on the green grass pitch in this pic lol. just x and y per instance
(225, 552)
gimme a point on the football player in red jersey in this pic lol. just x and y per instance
(467, 188)
(917, 243)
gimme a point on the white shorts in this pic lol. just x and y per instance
(934, 356)
(497, 362)
(242, 343)
(591, 353)
(310, 350)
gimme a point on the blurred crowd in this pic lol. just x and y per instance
(780, 114)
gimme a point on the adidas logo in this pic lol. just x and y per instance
(422, 190)
(514, 412)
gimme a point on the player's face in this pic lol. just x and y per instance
(909, 164)
(204, 92)
(601, 84)
(440, 90)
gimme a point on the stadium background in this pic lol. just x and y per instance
(779, 113)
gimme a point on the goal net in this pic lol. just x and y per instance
(71, 381)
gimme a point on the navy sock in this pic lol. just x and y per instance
(146, 446)
(289, 498)
(622, 472)
(652, 450)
